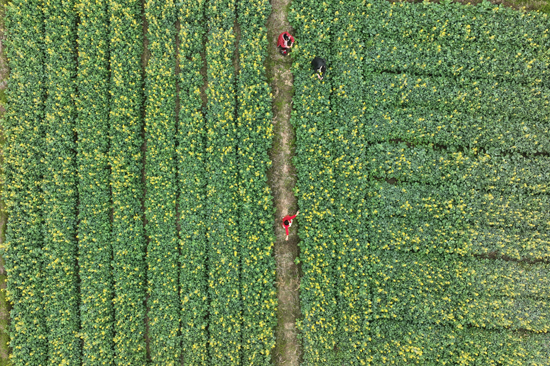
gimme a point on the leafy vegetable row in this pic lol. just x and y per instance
(392, 342)
(469, 95)
(448, 220)
(315, 189)
(61, 295)
(451, 39)
(24, 129)
(160, 172)
(424, 126)
(222, 207)
(404, 249)
(125, 155)
(94, 192)
(349, 106)
(435, 289)
(458, 112)
(192, 178)
(256, 212)
(485, 172)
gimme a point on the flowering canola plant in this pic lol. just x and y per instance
(94, 192)
(195, 235)
(24, 130)
(191, 155)
(160, 172)
(125, 159)
(255, 134)
(225, 318)
(420, 178)
(61, 296)
(312, 119)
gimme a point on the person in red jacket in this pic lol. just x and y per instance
(287, 222)
(285, 42)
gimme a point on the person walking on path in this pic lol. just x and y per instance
(287, 222)
(320, 67)
(285, 41)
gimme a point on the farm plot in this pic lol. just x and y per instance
(140, 226)
(422, 162)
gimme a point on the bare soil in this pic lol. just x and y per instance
(282, 178)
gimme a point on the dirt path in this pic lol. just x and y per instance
(282, 178)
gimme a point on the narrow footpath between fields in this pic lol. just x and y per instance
(282, 179)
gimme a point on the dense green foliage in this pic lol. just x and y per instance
(256, 211)
(224, 199)
(61, 297)
(312, 120)
(94, 192)
(394, 342)
(484, 41)
(191, 155)
(222, 207)
(125, 157)
(420, 182)
(422, 163)
(160, 172)
(24, 130)
(122, 164)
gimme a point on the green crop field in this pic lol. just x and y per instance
(138, 140)
(138, 232)
(423, 167)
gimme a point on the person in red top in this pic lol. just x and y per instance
(285, 42)
(287, 222)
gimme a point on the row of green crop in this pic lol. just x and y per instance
(125, 156)
(393, 342)
(458, 112)
(433, 274)
(24, 129)
(424, 126)
(348, 104)
(192, 178)
(494, 173)
(470, 96)
(61, 295)
(347, 110)
(160, 172)
(450, 290)
(221, 160)
(225, 318)
(402, 249)
(316, 180)
(450, 39)
(446, 219)
(255, 134)
(94, 192)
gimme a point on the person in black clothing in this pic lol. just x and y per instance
(320, 66)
